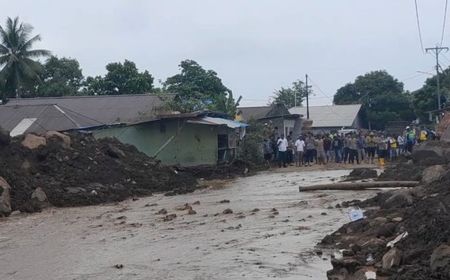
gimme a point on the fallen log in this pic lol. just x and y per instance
(356, 186)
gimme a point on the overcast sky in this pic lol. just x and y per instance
(256, 46)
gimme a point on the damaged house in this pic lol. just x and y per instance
(199, 138)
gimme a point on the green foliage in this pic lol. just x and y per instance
(60, 77)
(16, 56)
(425, 98)
(250, 149)
(120, 79)
(382, 97)
(199, 89)
(287, 96)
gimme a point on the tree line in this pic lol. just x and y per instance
(383, 97)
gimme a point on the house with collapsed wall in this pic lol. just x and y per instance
(277, 115)
(199, 138)
(329, 118)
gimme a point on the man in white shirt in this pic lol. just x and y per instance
(300, 148)
(282, 145)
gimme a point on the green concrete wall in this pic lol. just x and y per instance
(193, 144)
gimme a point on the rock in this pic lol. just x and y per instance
(440, 258)
(362, 173)
(399, 199)
(227, 211)
(428, 154)
(5, 139)
(15, 213)
(169, 217)
(114, 152)
(64, 139)
(162, 212)
(255, 210)
(380, 220)
(32, 141)
(392, 258)
(433, 173)
(5, 198)
(192, 212)
(386, 230)
(224, 201)
(40, 198)
(196, 203)
(397, 219)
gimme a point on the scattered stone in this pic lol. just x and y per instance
(196, 203)
(392, 258)
(323, 214)
(162, 211)
(15, 213)
(186, 206)
(271, 216)
(397, 219)
(440, 258)
(399, 199)
(191, 212)
(227, 211)
(224, 201)
(64, 139)
(303, 228)
(5, 198)
(433, 173)
(32, 141)
(40, 197)
(381, 220)
(169, 217)
(118, 266)
(255, 210)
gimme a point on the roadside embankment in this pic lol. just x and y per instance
(405, 233)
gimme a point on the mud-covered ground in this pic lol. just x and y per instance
(130, 240)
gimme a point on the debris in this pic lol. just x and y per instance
(5, 198)
(433, 173)
(355, 214)
(392, 243)
(224, 201)
(118, 266)
(191, 212)
(163, 211)
(360, 185)
(32, 141)
(169, 217)
(392, 258)
(440, 259)
(227, 211)
(196, 203)
(361, 173)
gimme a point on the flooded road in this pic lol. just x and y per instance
(270, 234)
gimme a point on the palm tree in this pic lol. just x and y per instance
(16, 57)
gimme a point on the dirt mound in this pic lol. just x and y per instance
(423, 213)
(361, 174)
(88, 172)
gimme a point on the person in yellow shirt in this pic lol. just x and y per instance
(423, 136)
(393, 147)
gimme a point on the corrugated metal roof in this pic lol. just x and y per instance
(64, 113)
(218, 121)
(330, 115)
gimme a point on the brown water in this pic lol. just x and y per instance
(87, 242)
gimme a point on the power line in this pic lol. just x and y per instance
(437, 50)
(443, 24)
(418, 26)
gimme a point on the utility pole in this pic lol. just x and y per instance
(437, 50)
(307, 97)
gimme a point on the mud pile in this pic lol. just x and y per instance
(81, 170)
(405, 234)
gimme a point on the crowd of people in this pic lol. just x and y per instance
(349, 148)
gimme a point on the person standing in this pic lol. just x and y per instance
(320, 150)
(393, 145)
(327, 147)
(372, 144)
(346, 153)
(310, 147)
(267, 149)
(353, 150)
(382, 149)
(282, 145)
(401, 144)
(337, 145)
(300, 148)
(361, 143)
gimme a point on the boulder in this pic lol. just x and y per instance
(40, 198)
(32, 141)
(429, 154)
(392, 258)
(440, 258)
(399, 199)
(5, 199)
(433, 173)
(64, 139)
(5, 139)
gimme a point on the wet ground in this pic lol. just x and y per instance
(130, 240)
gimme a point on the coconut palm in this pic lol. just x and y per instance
(16, 57)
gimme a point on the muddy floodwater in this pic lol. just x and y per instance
(130, 240)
